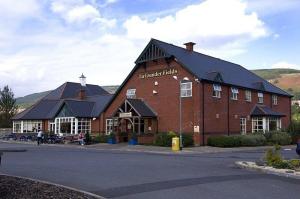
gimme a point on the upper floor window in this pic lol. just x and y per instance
(217, 90)
(274, 100)
(234, 93)
(186, 89)
(260, 98)
(248, 95)
(131, 93)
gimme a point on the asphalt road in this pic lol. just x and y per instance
(140, 175)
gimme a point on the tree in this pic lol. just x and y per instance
(8, 107)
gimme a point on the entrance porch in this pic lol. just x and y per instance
(133, 119)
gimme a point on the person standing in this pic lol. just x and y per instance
(39, 137)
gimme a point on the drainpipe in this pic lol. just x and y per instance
(228, 98)
(203, 98)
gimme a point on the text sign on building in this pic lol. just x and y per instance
(160, 73)
(128, 114)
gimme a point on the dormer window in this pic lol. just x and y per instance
(260, 98)
(131, 93)
(274, 99)
(234, 93)
(217, 90)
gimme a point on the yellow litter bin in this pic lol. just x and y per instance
(175, 144)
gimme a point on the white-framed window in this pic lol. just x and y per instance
(243, 122)
(110, 124)
(131, 93)
(186, 89)
(84, 125)
(274, 99)
(17, 126)
(257, 124)
(248, 95)
(260, 98)
(234, 93)
(31, 126)
(217, 90)
(273, 124)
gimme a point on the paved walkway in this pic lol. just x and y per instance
(155, 149)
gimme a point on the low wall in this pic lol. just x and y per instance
(5, 131)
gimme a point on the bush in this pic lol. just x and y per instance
(294, 163)
(224, 141)
(164, 139)
(281, 138)
(273, 156)
(100, 139)
(253, 140)
(187, 139)
(237, 140)
(87, 138)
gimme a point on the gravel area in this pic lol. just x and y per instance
(13, 187)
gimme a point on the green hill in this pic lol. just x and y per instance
(269, 74)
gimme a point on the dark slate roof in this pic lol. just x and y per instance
(43, 109)
(262, 110)
(142, 108)
(80, 108)
(50, 105)
(70, 90)
(100, 103)
(207, 68)
(203, 65)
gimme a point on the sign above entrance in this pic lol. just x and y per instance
(128, 114)
(160, 73)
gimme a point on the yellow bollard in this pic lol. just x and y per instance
(175, 144)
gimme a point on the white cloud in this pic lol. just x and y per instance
(210, 23)
(78, 12)
(284, 64)
(46, 59)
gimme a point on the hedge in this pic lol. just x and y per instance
(100, 139)
(165, 139)
(257, 139)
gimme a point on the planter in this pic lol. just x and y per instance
(133, 142)
(111, 141)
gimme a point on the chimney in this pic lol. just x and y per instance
(190, 46)
(81, 94)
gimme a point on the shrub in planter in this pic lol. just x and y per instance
(133, 139)
(111, 138)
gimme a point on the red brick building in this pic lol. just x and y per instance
(217, 97)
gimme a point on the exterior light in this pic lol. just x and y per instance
(82, 79)
(175, 77)
(186, 78)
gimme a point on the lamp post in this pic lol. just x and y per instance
(180, 110)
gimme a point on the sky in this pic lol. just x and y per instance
(44, 43)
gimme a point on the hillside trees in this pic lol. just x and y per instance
(8, 107)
